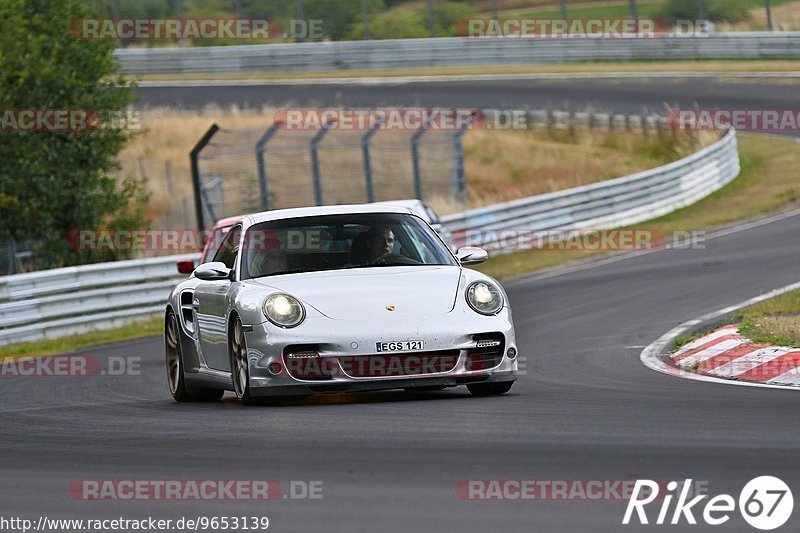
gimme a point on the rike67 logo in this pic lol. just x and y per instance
(765, 503)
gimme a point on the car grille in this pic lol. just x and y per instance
(397, 365)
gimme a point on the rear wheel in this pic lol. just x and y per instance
(175, 375)
(240, 366)
(490, 389)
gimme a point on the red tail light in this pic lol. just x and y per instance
(185, 267)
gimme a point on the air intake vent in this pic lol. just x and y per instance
(487, 353)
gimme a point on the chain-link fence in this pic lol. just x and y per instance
(245, 170)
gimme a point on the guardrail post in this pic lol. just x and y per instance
(193, 157)
(367, 164)
(315, 162)
(415, 155)
(262, 169)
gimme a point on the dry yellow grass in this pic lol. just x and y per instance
(785, 17)
(166, 137)
(504, 165)
(721, 66)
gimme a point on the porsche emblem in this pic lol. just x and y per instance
(390, 308)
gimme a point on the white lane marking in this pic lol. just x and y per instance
(650, 356)
(705, 340)
(748, 362)
(625, 256)
(401, 80)
(713, 351)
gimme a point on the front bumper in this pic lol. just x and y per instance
(334, 339)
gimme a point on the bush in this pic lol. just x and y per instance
(409, 22)
(715, 10)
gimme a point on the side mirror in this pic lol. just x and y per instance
(471, 255)
(186, 267)
(213, 271)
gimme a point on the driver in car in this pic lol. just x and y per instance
(380, 242)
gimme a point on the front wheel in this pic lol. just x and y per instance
(240, 366)
(175, 374)
(489, 389)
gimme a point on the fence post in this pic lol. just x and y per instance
(459, 185)
(193, 157)
(367, 164)
(415, 155)
(262, 169)
(12, 256)
(185, 209)
(315, 162)
(207, 199)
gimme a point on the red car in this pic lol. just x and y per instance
(215, 237)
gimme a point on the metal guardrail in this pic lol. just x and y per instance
(62, 301)
(608, 204)
(452, 51)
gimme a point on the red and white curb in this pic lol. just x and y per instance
(653, 356)
(725, 353)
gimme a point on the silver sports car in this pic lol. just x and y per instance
(337, 299)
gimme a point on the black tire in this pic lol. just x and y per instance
(240, 367)
(490, 389)
(176, 380)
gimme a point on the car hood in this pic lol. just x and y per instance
(366, 292)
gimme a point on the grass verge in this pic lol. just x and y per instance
(775, 321)
(43, 348)
(714, 65)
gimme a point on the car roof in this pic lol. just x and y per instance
(299, 212)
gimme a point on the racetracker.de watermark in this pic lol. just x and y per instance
(389, 118)
(53, 120)
(558, 28)
(69, 366)
(189, 240)
(194, 490)
(177, 29)
(557, 489)
(518, 239)
(740, 119)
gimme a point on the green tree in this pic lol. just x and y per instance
(411, 21)
(55, 182)
(716, 10)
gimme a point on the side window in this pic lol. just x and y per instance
(229, 247)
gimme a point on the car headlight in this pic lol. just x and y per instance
(484, 298)
(284, 310)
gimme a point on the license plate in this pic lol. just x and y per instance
(400, 346)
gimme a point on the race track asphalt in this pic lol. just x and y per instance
(629, 95)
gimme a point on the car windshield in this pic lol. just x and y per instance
(331, 242)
